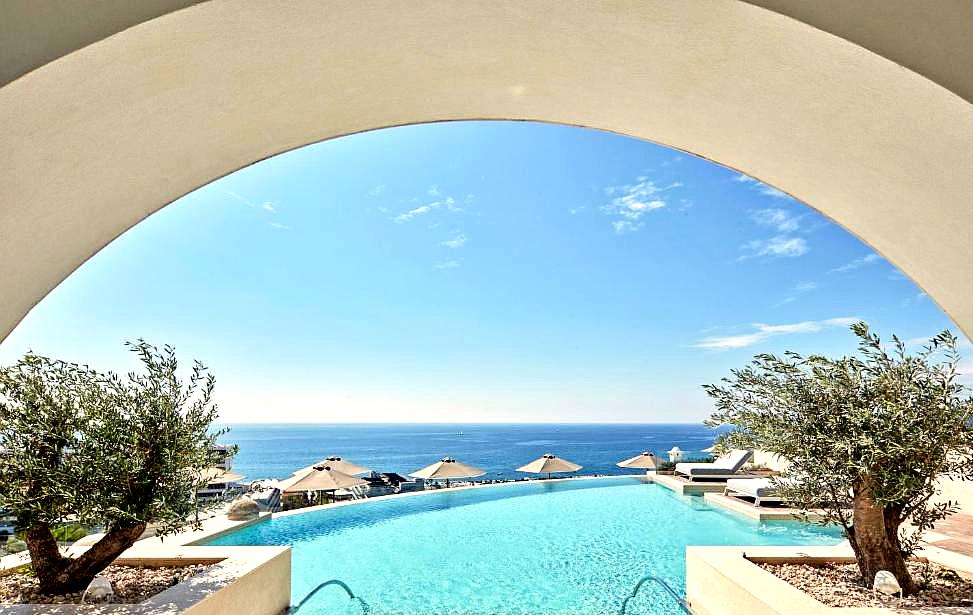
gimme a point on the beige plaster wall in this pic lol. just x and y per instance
(102, 137)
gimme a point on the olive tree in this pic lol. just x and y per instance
(866, 438)
(101, 450)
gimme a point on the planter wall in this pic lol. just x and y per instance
(244, 580)
(724, 581)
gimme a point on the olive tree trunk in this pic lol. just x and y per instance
(874, 537)
(58, 574)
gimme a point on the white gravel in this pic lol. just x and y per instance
(840, 585)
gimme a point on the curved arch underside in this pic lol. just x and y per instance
(102, 137)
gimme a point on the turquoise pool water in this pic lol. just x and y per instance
(536, 548)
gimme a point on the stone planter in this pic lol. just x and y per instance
(252, 580)
(726, 581)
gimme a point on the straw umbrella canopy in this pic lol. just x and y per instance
(323, 478)
(337, 463)
(548, 464)
(447, 468)
(644, 460)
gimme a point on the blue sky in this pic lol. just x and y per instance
(476, 271)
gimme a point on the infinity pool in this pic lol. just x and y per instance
(564, 547)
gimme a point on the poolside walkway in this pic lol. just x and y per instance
(954, 533)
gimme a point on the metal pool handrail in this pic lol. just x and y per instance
(365, 609)
(651, 577)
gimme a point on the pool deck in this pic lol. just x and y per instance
(954, 533)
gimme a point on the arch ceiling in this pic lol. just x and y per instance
(112, 110)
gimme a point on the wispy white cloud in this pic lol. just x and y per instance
(447, 264)
(442, 201)
(777, 246)
(761, 187)
(796, 291)
(914, 299)
(730, 342)
(240, 198)
(631, 202)
(858, 263)
(785, 243)
(268, 206)
(774, 192)
(457, 242)
(625, 226)
(763, 332)
(450, 204)
(964, 372)
(377, 190)
(412, 213)
(780, 219)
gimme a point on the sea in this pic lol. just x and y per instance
(275, 450)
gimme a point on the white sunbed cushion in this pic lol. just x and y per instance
(733, 460)
(702, 469)
(730, 463)
(754, 487)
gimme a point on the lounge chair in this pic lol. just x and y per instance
(724, 467)
(762, 490)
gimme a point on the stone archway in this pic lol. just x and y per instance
(100, 138)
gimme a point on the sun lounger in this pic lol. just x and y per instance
(762, 490)
(724, 467)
